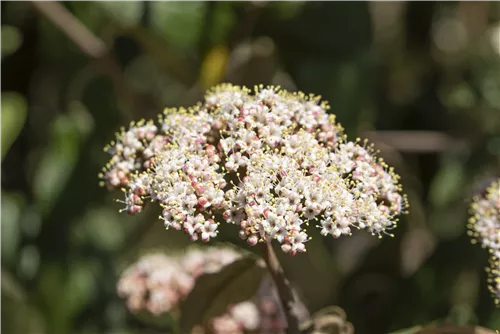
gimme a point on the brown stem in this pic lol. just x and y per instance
(291, 304)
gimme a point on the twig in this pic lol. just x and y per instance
(289, 300)
(90, 45)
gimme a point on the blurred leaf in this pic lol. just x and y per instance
(91, 18)
(30, 222)
(179, 22)
(213, 66)
(448, 223)
(448, 329)
(411, 330)
(494, 320)
(125, 12)
(19, 318)
(166, 56)
(11, 211)
(14, 110)
(287, 9)
(29, 261)
(222, 22)
(164, 321)
(66, 293)
(11, 288)
(466, 291)
(448, 183)
(18, 315)
(213, 293)
(49, 287)
(146, 76)
(105, 229)
(80, 288)
(67, 134)
(11, 40)
(461, 315)
(101, 227)
(417, 245)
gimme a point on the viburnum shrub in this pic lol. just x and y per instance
(270, 161)
(484, 227)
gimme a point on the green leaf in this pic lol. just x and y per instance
(18, 315)
(66, 292)
(410, 330)
(287, 9)
(19, 318)
(127, 13)
(11, 288)
(14, 109)
(164, 321)
(11, 40)
(29, 262)
(447, 184)
(224, 19)
(67, 134)
(11, 211)
(179, 22)
(213, 293)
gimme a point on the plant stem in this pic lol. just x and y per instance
(291, 304)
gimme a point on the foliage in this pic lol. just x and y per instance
(406, 67)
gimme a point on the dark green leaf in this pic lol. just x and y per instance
(213, 293)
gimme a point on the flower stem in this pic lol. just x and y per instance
(289, 301)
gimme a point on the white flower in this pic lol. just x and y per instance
(484, 226)
(157, 283)
(269, 162)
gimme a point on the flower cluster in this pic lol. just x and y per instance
(260, 315)
(272, 162)
(157, 283)
(484, 227)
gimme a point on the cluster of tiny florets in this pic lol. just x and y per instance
(272, 162)
(259, 315)
(157, 283)
(484, 226)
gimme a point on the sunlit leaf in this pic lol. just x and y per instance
(213, 66)
(14, 109)
(213, 293)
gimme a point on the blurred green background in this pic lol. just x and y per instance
(420, 79)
